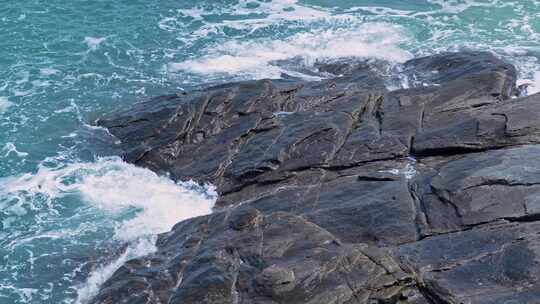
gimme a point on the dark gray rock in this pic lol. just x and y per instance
(464, 66)
(495, 263)
(481, 127)
(342, 191)
(281, 259)
(479, 188)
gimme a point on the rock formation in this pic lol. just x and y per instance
(342, 191)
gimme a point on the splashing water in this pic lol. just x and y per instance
(141, 203)
(97, 277)
(70, 214)
(256, 59)
(113, 185)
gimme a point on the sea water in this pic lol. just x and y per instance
(70, 211)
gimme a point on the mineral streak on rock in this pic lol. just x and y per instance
(342, 191)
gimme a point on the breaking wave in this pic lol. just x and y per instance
(143, 203)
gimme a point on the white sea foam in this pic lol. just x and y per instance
(533, 84)
(167, 23)
(380, 10)
(19, 93)
(40, 83)
(25, 294)
(515, 51)
(4, 104)
(94, 42)
(113, 186)
(331, 35)
(10, 148)
(257, 59)
(48, 71)
(268, 13)
(90, 288)
(459, 6)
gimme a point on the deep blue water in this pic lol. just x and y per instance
(69, 213)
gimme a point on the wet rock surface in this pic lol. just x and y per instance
(343, 191)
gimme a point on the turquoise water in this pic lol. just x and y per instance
(70, 214)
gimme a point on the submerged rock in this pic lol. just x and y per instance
(342, 191)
